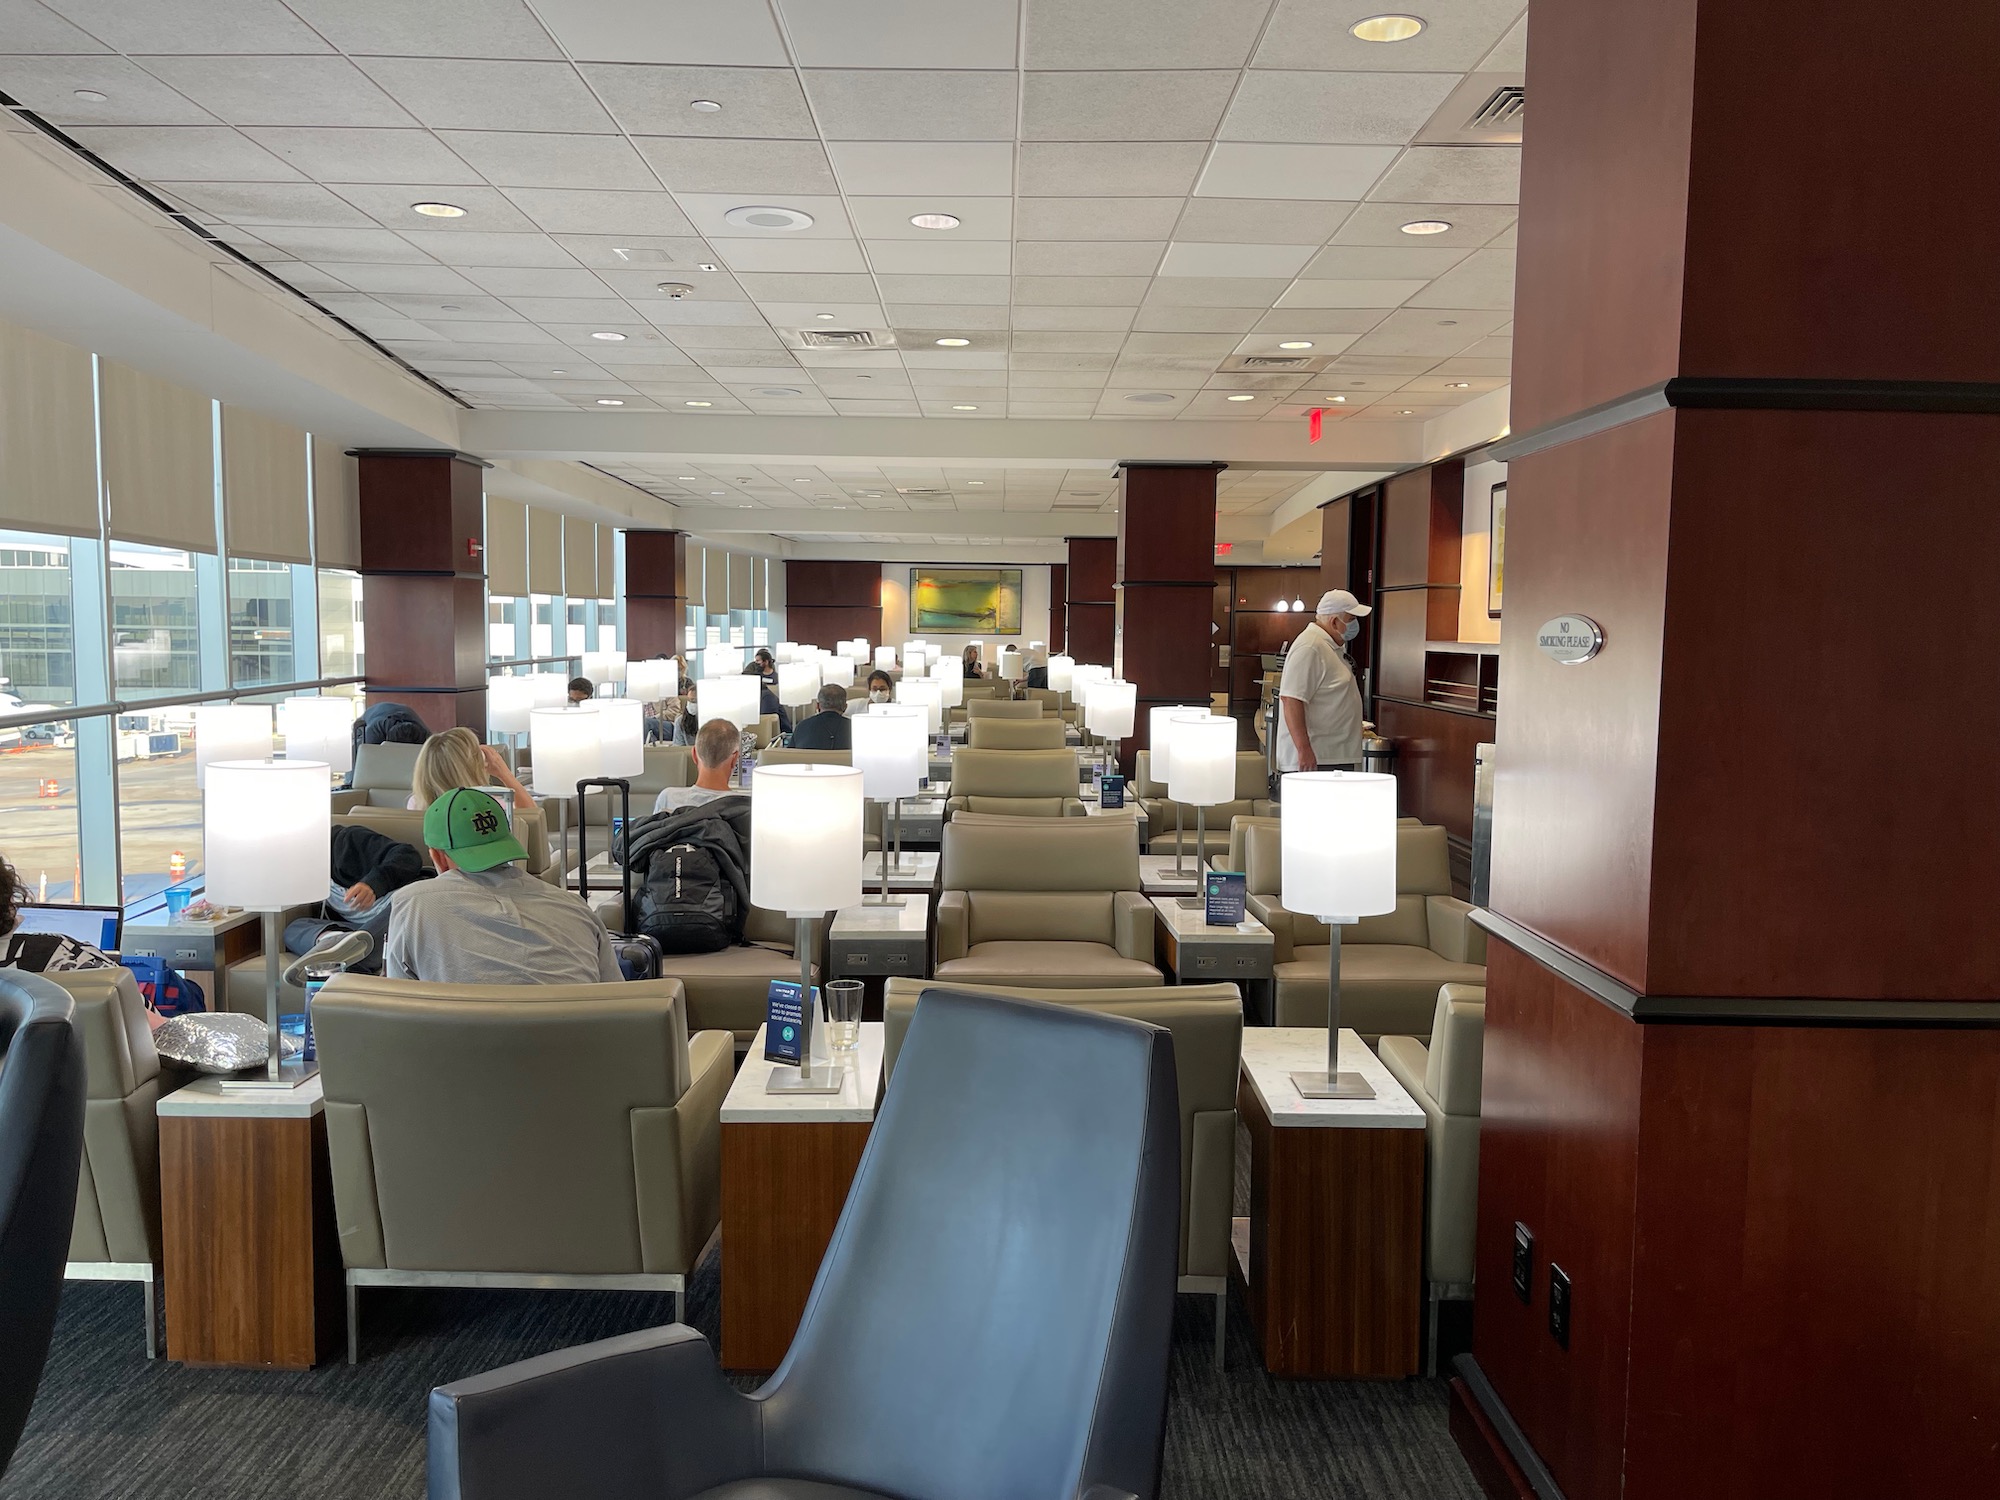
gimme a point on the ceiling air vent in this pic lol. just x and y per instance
(1501, 111)
(1274, 362)
(1483, 109)
(837, 338)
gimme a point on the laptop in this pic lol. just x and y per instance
(100, 926)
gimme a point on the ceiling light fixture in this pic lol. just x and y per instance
(610, 338)
(1426, 226)
(90, 96)
(965, 408)
(1461, 385)
(705, 106)
(559, 372)
(1338, 400)
(1406, 412)
(449, 307)
(975, 481)
(687, 479)
(767, 216)
(1386, 28)
(824, 317)
(609, 401)
(953, 343)
(708, 265)
(438, 210)
(715, 492)
(935, 221)
(652, 254)
(1242, 398)
(677, 290)
(1296, 344)
(697, 403)
(782, 390)
(1150, 397)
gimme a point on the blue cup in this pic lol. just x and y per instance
(178, 897)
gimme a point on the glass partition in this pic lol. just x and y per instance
(260, 622)
(155, 621)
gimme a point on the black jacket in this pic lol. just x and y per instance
(721, 826)
(362, 854)
(824, 731)
(390, 724)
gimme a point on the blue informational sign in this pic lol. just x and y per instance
(787, 1024)
(1111, 792)
(1225, 890)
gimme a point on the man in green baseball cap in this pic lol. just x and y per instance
(485, 919)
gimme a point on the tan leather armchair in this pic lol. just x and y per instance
(382, 777)
(1022, 783)
(985, 733)
(115, 1235)
(542, 1136)
(1207, 1025)
(1055, 705)
(1001, 708)
(1239, 834)
(977, 689)
(666, 766)
(1252, 801)
(1444, 1078)
(406, 826)
(1040, 902)
(1391, 965)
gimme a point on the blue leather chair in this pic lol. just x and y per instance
(991, 1320)
(41, 1145)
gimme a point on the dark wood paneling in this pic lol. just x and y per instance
(783, 1187)
(1559, 1152)
(1406, 529)
(468, 520)
(250, 1244)
(445, 710)
(1092, 631)
(1166, 524)
(829, 624)
(1165, 645)
(1092, 575)
(656, 565)
(1058, 614)
(419, 513)
(1447, 525)
(1260, 589)
(1434, 749)
(1401, 622)
(426, 632)
(1485, 1454)
(835, 583)
(1335, 526)
(654, 625)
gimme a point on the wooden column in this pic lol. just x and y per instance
(830, 602)
(1058, 608)
(1166, 586)
(1742, 1058)
(656, 593)
(423, 589)
(1090, 598)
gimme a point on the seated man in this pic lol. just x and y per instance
(581, 690)
(368, 868)
(718, 745)
(828, 728)
(485, 919)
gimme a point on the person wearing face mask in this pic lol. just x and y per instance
(880, 688)
(1319, 725)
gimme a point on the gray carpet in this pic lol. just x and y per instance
(110, 1426)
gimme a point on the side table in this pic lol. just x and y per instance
(1331, 1259)
(1197, 953)
(867, 939)
(249, 1240)
(787, 1163)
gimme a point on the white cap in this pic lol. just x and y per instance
(1340, 602)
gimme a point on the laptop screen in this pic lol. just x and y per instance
(96, 925)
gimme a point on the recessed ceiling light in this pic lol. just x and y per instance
(449, 307)
(715, 492)
(1387, 28)
(767, 216)
(439, 210)
(1461, 385)
(559, 372)
(1151, 397)
(953, 343)
(677, 290)
(708, 265)
(704, 106)
(1242, 398)
(781, 390)
(1406, 412)
(965, 408)
(801, 481)
(697, 403)
(1426, 226)
(824, 317)
(609, 401)
(90, 96)
(1296, 344)
(610, 338)
(975, 481)
(687, 479)
(1338, 400)
(935, 221)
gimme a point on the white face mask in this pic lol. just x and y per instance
(878, 695)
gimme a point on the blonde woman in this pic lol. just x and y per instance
(456, 758)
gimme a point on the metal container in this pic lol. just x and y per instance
(1482, 822)
(1378, 755)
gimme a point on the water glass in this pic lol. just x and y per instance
(177, 901)
(843, 1014)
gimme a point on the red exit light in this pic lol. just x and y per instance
(1223, 547)
(1312, 424)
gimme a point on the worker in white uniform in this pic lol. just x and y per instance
(1319, 724)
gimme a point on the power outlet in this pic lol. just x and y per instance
(1524, 1263)
(1559, 1304)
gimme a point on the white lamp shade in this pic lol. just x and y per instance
(760, 635)
(885, 658)
(604, 666)
(551, 689)
(921, 692)
(1109, 708)
(1337, 838)
(948, 672)
(319, 729)
(1012, 666)
(1086, 672)
(1160, 730)
(567, 746)
(798, 683)
(835, 671)
(785, 651)
(231, 731)
(734, 637)
(857, 650)
(621, 724)
(646, 681)
(1060, 667)
(267, 831)
(805, 838)
(890, 751)
(508, 702)
(712, 635)
(722, 661)
(916, 659)
(733, 698)
(1204, 769)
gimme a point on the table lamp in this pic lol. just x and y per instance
(566, 745)
(785, 651)
(736, 698)
(927, 694)
(722, 661)
(1160, 730)
(320, 728)
(835, 671)
(1203, 773)
(735, 637)
(885, 658)
(267, 835)
(711, 635)
(760, 635)
(508, 703)
(551, 689)
(621, 724)
(1337, 861)
(798, 684)
(232, 731)
(597, 667)
(1012, 667)
(948, 672)
(857, 650)
(891, 752)
(1109, 707)
(805, 860)
(1060, 667)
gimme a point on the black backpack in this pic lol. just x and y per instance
(686, 904)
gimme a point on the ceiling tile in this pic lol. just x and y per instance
(889, 218)
(469, 94)
(335, 246)
(1072, 317)
(1157, 319)
(1213, 346)
(864, 408)
(304, 204)
(1310, 320)
(1067, 169)
(437, 28)
(1185, 259)
(1087, 258)
(1239, 170)
(889, 104)
(864, 314)
(486, 209)
(518, 159)
(616, 31)
(941, 257)
(1433, 331)
(1350, 293)
(902, 33)
(1096, 219)
(1260, 221)
(769, 287)
(989, 290)
(193, 26)
(1033, 365)
(1472, 225)
(207, 153)
(899, 168)
(1453, 174)
(1490, 348)
(440, 309)
(365, 155)
(635, 254)
(686, 312)
(756, 102)
(535, 281)
(1080, 291)
(1123, 106)
(790, 255)
(280, 90)
(480, 248)
(1507, 238)
(1484, 278)
(27, 27)
(1216, 291)
(829, 215)
(1348, 108)
(1387, 262)
(958, 317)
(1323, 344)
(1315, 34)
(132, 96)
(576, 211)
(692, 164)
(1142, 33)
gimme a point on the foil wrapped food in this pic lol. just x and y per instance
(219, 1043)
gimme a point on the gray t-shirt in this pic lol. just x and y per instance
(498, 926)
(675, 798)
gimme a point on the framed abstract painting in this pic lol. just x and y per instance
(966, 601)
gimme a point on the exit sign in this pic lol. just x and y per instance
(1313, 424)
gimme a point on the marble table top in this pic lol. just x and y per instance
(860, 1088)
(1271, 1054)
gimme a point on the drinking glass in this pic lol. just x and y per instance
(843, 1014)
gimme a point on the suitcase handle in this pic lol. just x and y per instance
(625, 824)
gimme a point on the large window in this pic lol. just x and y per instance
(502, 617)
(159, 805)
(544, 635)
(37, 641)
(38, 796)
(155, 621)
(260, 622)
(341, 648)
